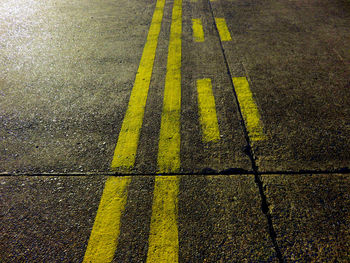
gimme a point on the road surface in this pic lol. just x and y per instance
(175, 131)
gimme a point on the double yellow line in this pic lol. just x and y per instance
(163, 239)
(163, 245)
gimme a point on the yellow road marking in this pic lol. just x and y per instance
(125, 150)
(163, 245)
(104, 235)
(249, 109)
(169, 140)
(198, 34)
(223, 29)
(105, 232)
(163, 239)
(207, 111)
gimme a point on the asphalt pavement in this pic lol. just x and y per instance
(174, 131)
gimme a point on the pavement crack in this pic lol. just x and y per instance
(249, 151)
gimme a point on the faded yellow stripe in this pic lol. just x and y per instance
(249, 109)
(207, 111)
(125, 150)
(163, 239)
(223, 29)
(163, 245)
(169, 139)
(198, 34)
(104, 235)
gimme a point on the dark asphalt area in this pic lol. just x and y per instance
(67, 69)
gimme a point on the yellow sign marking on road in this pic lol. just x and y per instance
(249, 109)
(125, 150)
(163, 243)
(207, 111)
(198, 34)
(223, 29)
(105, 232)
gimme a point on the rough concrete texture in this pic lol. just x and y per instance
(311, 216)
(47, 219)
(294, 54)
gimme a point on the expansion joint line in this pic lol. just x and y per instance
(249, 151)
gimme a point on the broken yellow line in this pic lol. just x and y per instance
(207, 111)
(198, 34)
(249, 109)
(223, 29)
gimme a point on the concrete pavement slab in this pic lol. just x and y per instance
(220, 220)
(67, 69)
(293, 55)
(47, 219)
(311, 216)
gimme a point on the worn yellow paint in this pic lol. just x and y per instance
(198, 34)
(169, 139)
(104, 235)
(249, 109)
(207, 111)
(163, 243)
(125, 150)
(223, 29)
(163, 239)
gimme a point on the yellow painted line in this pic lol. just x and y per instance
(169, 139)
(207, 111)
(163, 239)
(105, 232)
(223, 29)
(249, 109)
(198, 34)
(125, 150)
(163, 244)
(104, 235)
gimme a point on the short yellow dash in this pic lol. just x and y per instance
(223, 30)
(249, 109)
(198, 34)
(163, 239)
(163, 245)
(125, 150)
(207, 111)
(104, 235)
